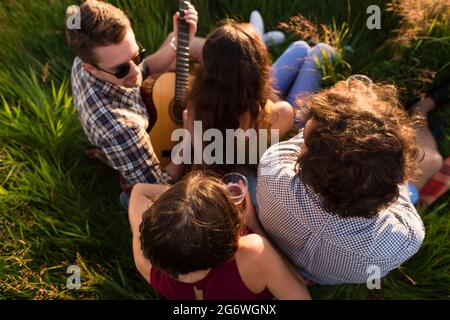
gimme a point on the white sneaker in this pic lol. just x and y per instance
(257, 21)
(273, 38)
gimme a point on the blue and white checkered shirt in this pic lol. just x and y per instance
(324, 247)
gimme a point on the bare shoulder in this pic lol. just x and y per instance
(283, 107)
(251, 245)
(282, 104)
(250, 261)
(256, 248)
(282, 116)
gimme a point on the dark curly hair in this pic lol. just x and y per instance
(359, 146)
(192, 226)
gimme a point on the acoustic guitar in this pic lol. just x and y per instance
(163, 96)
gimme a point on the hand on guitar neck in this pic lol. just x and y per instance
(190, 17)
(164, 94)
(163, 59)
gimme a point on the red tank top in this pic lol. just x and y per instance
(222, 283)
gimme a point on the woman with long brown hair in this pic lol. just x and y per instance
(233, 88)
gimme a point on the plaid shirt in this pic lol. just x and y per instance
(115, 119)
(326, 248)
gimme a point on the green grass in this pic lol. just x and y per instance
(57, 208)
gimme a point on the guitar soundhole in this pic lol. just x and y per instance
(176, 112)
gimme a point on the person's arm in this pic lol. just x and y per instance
(250, 218)
(431, 160)
(261, 266)
(283, 282)
(129, 150)
(141, 199)
(164, 57)
(282, 117)
(252, 221)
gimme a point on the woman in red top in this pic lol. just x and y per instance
(187, 245)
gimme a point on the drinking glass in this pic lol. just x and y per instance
(237, 185)
(359, 82)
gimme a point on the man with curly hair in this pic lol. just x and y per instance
(334, 198)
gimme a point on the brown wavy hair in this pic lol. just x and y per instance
(102, 24)
(233, 79)
(359, 148)
(192, 226)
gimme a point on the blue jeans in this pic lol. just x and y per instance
(124, 199)
(252, 189)
(296, 73)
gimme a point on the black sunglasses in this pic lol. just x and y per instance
(124, 69)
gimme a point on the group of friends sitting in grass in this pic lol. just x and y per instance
(328, 205)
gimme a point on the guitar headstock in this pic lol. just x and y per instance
(183, 26)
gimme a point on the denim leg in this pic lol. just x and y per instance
(309, 76)
(285, 70)
(124, 199)
(251, 179)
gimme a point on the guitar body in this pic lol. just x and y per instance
(165, 115)
(163, 96)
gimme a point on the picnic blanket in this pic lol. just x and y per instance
(437, 185)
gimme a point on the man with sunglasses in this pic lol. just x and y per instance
(106, 75)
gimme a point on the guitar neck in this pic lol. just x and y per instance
(182, 60)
